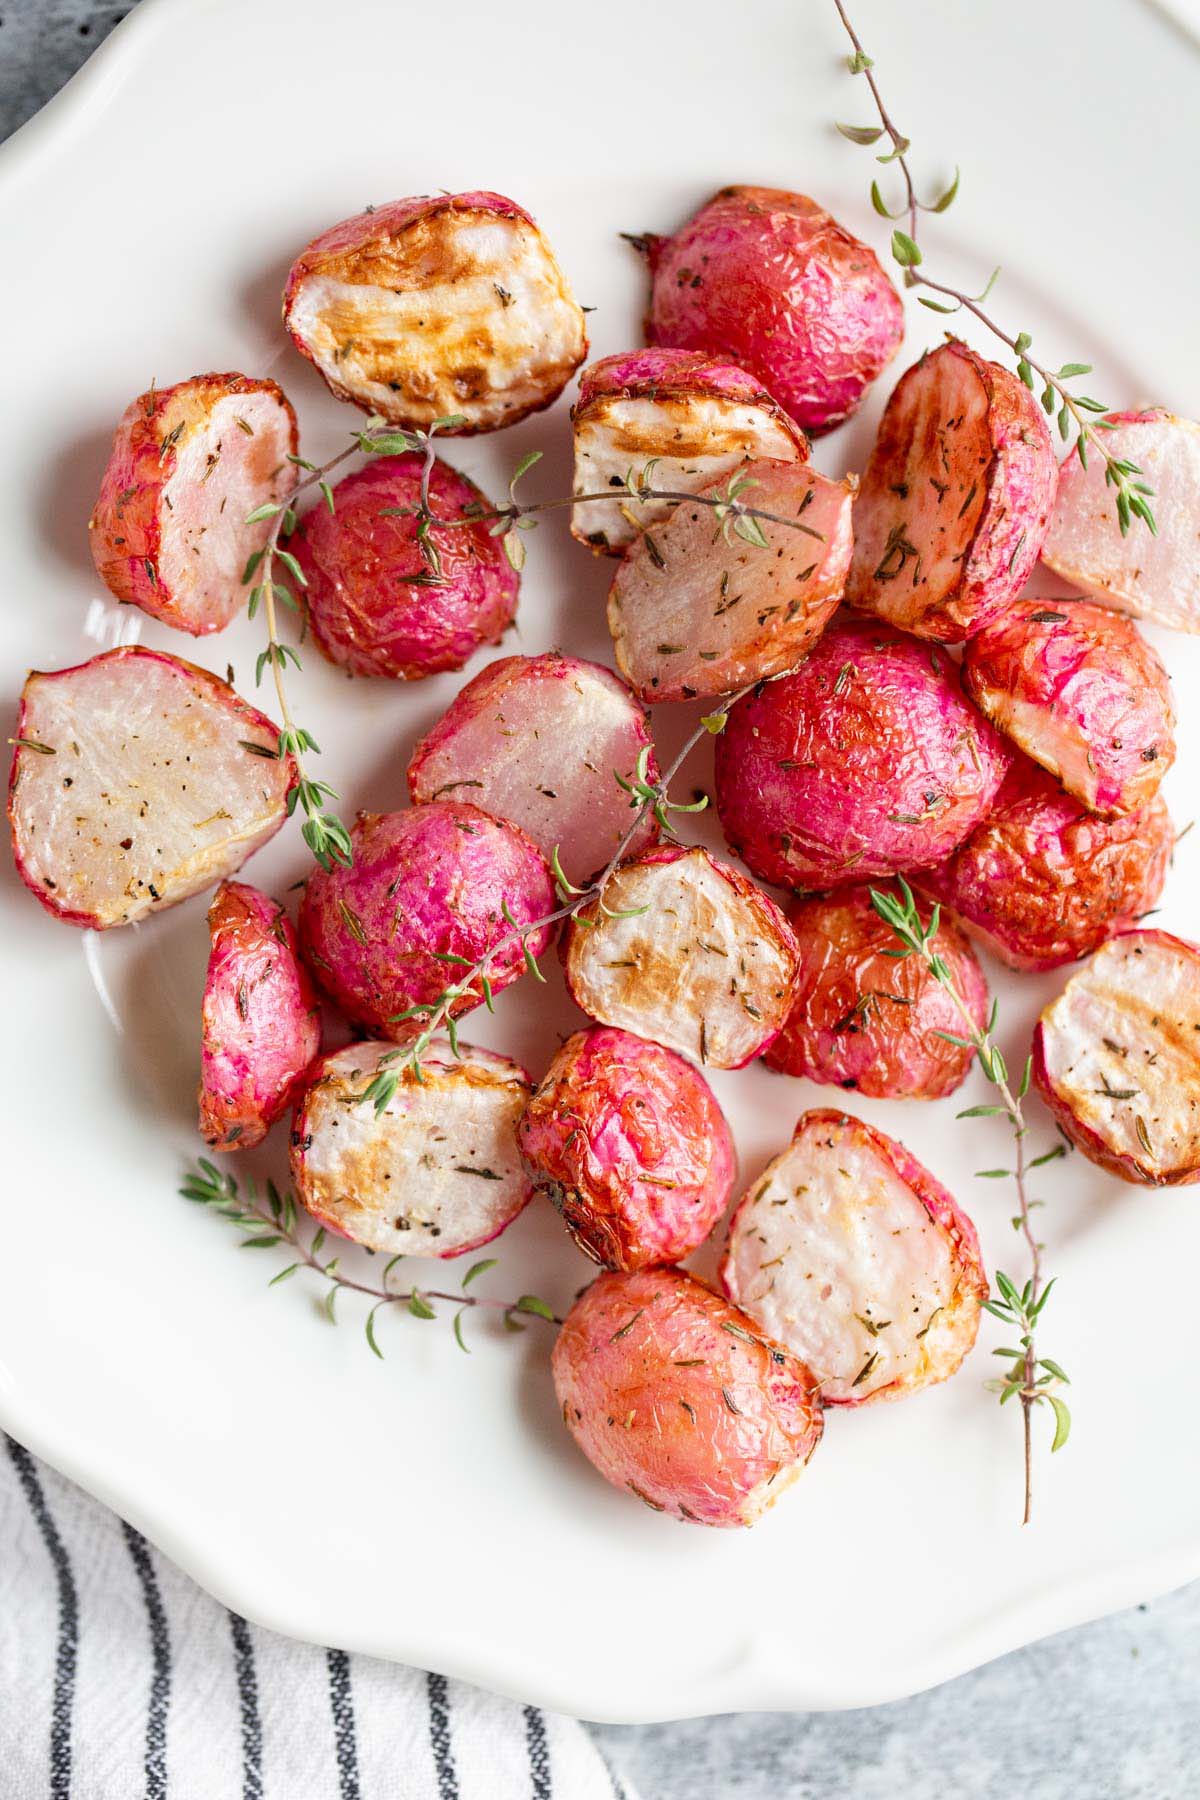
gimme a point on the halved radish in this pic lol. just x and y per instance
(672, 1395)
(627, 1139)
(540, 741)
(391, 594)
(429, 892)
(863, 1019)
(850, 1253)
(1117, 1058)
(437, 306)
(696, 609)
(1042, 882)
(189, 464)
(695, 417)
(138, 779)
(262, 1024)
(956, 498)
(703, 961)
(1154, 576)
(436, 1172)
(866, 760)
(770, 280)
(1081, 691)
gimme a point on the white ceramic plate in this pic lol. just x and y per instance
(430, 1507)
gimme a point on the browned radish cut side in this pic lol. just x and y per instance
(697, 609)
(1117, 1058)
(956, 498)
(690, 417)
(435, 1172)
(444, 305)
(688, 952)
(850, 1253)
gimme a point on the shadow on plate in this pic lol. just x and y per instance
(154, 975)
(70, 483)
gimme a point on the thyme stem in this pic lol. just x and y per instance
(278, 1217)
(324, 833)
(1022, 1308)
(1132, 496)
(985, 1051)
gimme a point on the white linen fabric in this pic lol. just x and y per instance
(120, 1678)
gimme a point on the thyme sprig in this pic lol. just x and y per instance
(323, 831)
(1072, 411)
(733, 515)
(269, 1218)
(1033, 1378)
(474, 984)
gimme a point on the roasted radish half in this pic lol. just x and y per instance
(1154, 575)
(435, 1172)
(866, 760)
(1081, 691)
(189, 465)
(697, 608)
(1117, 1058)
(850, 1253)
(956, 499)
(862, 1018)
(444, 305)
(629, 1142)
(672, 1394)
(429, 891)
(692, 416)
(384, 600)
(540, 741)
(1042, 882)
(138, 779)
(261, 1024)
(769, 280)
(685, 951)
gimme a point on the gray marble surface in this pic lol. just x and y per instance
(1108, 1712)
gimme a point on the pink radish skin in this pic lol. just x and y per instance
(1042, 882)
(850, 1253)
(424, 886)
(189, 463)
(137, 780)
(708, 968)
(261, 1023)
(1116, 1058)
(956, 499)
(768, 280)
(694, 614)
(539, 741)
(866, 760)
(694, 417)
(438, 306)
(1155, 577)
(376, 605)
(436, 1172)
(863, 1020)
(1081, 691)
(629, 1142)
(673, 1396)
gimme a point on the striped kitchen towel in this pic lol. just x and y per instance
(120, 1678)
